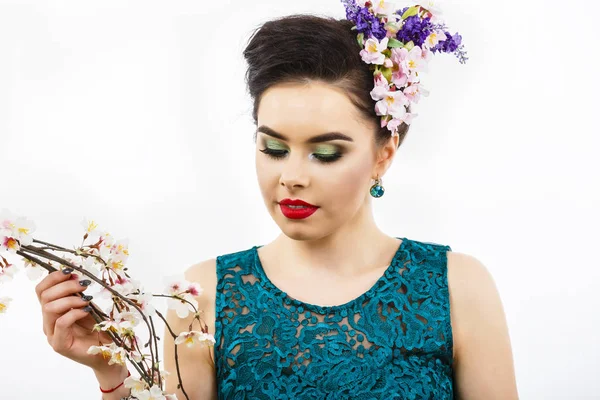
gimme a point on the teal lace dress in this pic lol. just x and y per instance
(392, 342)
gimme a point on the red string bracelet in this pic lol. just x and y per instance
(116, 387)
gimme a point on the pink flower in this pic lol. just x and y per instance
(394, 124)
(400, 70)
(381, 87)
(414, 92)
(392, 104)
(414, 60)
(384, 121)
(371, 54)
(194, 289)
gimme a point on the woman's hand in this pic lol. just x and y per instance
(66, 325)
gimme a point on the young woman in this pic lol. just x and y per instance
(333, 308)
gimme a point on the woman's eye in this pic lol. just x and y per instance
(328, 158)
(274, 153)
(277, 154)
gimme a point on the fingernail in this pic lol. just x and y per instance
(85, 282)
(87, 297)
(87, 308)
(67, 271)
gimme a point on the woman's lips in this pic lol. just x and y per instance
(297, 212)
(297, 202)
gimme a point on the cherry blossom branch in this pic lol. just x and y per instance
(96, 313)
(126, 295)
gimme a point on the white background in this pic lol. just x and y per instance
(134, 113)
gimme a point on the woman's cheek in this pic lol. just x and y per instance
(347, 192)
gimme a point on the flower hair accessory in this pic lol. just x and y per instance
(398, 44)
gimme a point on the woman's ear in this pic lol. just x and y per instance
(385, 155)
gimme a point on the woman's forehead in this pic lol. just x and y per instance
(318, 105)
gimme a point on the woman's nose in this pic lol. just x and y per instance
(294, 172)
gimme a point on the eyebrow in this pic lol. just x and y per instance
(315, 139)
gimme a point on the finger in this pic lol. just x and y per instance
(62, 339)
(50, 280)
(55, 309)
(62, 289)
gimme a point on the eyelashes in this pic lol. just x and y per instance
(278, 154)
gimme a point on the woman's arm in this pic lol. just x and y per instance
(196, 365)
(483, 367)
(110, 378)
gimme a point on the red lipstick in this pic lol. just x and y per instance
(303, 209)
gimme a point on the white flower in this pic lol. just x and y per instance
(124, 286)
(23, 231)
(121, 323)
(434, 7)
(371, 54)
(125, 320)
(136, 385)
(7, 273)
(136, 355)
(15, 231)
(18, 227)
(193, 337)
(145, 304)
(434, 38)
(91, 264)
(128, 319)
(4, 302)
(181, 292)
(6, 224)
(91, 228)
(117, 354)
(177, 284)
(181, 306)
(33, 270)
(106, 245)
(382, 7)
(9, 243)
(120, 250)
(155, 393)
(173, 283)
(194, 289)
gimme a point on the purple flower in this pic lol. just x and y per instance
(414, 29)
(365, 21)
(448, 45)
(401, 11)
(452, 44)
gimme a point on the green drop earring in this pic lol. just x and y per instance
(377, 190)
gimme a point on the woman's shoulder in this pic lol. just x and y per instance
(427, 246)
(478, 319)
(467, 275)
(205, 272)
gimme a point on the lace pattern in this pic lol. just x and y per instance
(392, 342)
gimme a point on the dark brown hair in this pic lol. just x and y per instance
(301, 48)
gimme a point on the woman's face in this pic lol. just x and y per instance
(334, 175)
